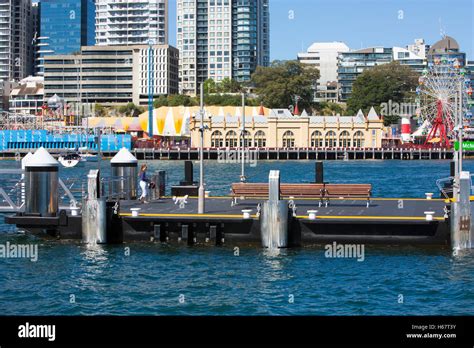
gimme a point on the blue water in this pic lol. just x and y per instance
(165, 280)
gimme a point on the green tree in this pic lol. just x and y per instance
(278, 84)
(180, 100)
(379, 85)
(161, 101)
(228, 85)
(330, 109)
(210, 86)
(131, 110)
(100, 110)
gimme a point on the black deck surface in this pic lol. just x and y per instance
(345, 209)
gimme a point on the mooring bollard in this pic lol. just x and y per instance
(41, 184)
(429, 215)
(94, 212)
(125, 172)
(274, 216)
(312, 214)
(429, 195)
(461, 232)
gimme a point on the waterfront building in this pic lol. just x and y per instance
(16, 51)
(265, 128)
(446, 48)
(65, 26)
(27, 96)
(410, 59)
(221, 39)
(352, 64)
(324, 56)
(131, 22)
(112, 75)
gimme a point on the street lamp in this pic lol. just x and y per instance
(242, 175)
(150, 88)
(201, 202)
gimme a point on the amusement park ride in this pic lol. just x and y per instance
(442, 97)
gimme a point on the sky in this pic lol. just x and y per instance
(362, 23)
(295, 24)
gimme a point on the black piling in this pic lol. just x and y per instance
(319, 172)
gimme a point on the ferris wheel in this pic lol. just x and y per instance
(441, 89)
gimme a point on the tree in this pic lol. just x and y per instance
(210, 86)
(329, 109)
(278, 84)
(161, 101)
(131, 110)
(379, 85)
(100, 110)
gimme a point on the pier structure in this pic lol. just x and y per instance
(263, 154)
(273, 220)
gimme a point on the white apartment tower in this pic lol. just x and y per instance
(131, 22)
(221, 39)
(324, 56)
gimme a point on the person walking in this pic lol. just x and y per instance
(144, 181)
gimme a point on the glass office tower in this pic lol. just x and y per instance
(66, 25)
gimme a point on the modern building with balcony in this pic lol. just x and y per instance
(221, 39)
(65, 26)
(324, 57)
(410, 59)
(132, 22)
(352, 64)
(112, 75)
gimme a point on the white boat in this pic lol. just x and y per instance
(69, 161)
(88, 157)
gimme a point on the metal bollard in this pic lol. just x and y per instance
(461, 231)
(94, 209)
(274, 223)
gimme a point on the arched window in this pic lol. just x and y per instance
(231, 139)
(359, 139)
(288, 139)
(216, 139)
(317, 139)
(247, 137)
(345, 139)
(330, 139)
(259, 139)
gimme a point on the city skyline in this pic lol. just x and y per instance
(400, 28)
(291, 36)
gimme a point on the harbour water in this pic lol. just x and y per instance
(150, 279)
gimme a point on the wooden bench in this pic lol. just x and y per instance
(322, 191)
(343, 191)
(260, 190)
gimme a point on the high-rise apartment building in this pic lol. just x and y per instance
(131, 22)
(16, 51)
(221, 39)
(65, 26)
